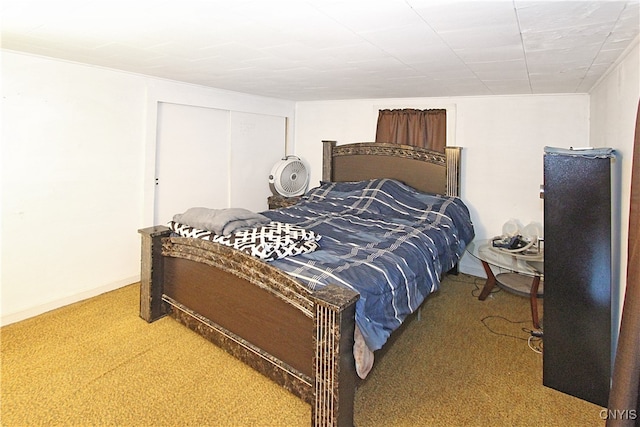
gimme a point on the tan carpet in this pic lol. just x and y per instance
(96, 363)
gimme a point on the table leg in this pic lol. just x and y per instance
(489, 284)
(533, 296)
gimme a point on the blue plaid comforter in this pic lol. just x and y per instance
(381, 238)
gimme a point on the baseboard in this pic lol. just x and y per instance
(7, 319)
(478, 272)
(472, 266)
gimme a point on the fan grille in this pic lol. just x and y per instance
(293, 177)
(289, 177)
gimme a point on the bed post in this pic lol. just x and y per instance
(334, 364)
(327, 160)
(453, 170)
(152, 273)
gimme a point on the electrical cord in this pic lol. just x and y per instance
(535, 344)
(479, 284)
(534, 339)
(484, 322)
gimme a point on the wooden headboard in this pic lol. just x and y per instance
(425, 170)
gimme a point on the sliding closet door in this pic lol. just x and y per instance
(192, 166)
(257, 144)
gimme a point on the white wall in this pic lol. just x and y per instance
(614, 105)
(71, 180)
(78, 158)
(503, 139)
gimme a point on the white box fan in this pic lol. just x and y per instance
(289, 177)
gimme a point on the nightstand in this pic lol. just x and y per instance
(525, 277)
(276, 202)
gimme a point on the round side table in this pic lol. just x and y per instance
(524, 277)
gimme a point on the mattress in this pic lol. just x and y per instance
(381, 238)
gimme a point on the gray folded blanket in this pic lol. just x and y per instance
(221, 221)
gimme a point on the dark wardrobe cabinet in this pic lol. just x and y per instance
(578, 272)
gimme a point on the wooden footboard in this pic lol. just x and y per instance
(301, 339)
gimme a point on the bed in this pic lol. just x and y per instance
(285, 319)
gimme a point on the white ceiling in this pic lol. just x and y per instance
(336, 49)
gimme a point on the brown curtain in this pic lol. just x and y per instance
(624, 400)
(422, 128)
